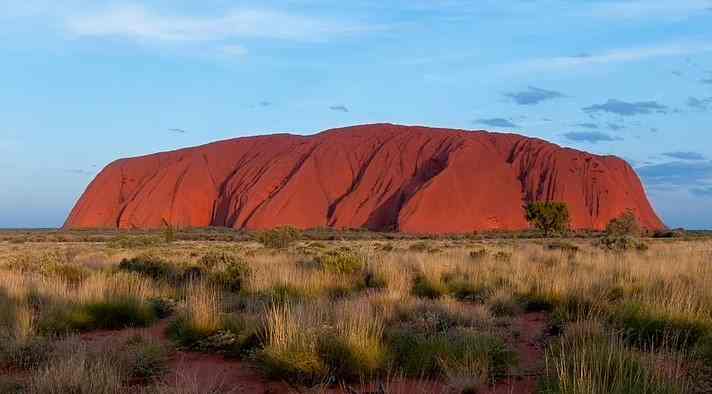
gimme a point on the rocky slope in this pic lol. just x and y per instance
(382, 177)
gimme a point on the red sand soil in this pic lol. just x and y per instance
(530, 352)
(381, 177)
(233, 376)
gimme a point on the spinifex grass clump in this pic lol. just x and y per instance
(200, 316)
(446, 353)
(302, 343)
(586, 359)
(110, 368)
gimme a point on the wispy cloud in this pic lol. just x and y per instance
(615, 126)
(497, 122)
(622, 55)
(339, 108)
(624, 108)
(533, 96)
(137, 22)
(677, 173)
(685, 155)
(587, 125)
(700, 104)
(592, 137)
(701, 191)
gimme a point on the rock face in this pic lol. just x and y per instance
(381, 177)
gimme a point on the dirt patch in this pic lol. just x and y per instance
(214, 373)
(529, 329)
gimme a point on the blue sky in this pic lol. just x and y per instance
(85, 82)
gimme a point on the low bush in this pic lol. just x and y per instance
(232, 275)
(151, 266)
(117, 313)
(427, 287)
(478, 254)
(238, 335)
(465, 289)
(340, 261)
(111, 314)
(625, 225)
(218, 258)
(278, 238)
(622, 244)
(565, 247)
(144, 358)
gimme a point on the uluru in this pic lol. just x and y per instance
(381, 177)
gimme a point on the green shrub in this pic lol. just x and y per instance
(549, 217)
(423, 355)
(218, 258)
(111, 314)
(466, 290)
(622, 244)
(342, 262)
(426, 287)
(232, 276)
(135, 241)
(625, 225)
(278, 238)
(162, 307)
(535, 301)
(116, 314)
(644, 328)
(151, 266)
(296, 364)
(237, 336)
(349, 362)
(144, 358)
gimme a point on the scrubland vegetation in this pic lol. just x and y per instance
(622, 314)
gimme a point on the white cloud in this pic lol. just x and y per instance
(136, 22)
(612, 56)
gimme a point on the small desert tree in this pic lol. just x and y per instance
(624, 225)
(549, 217)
